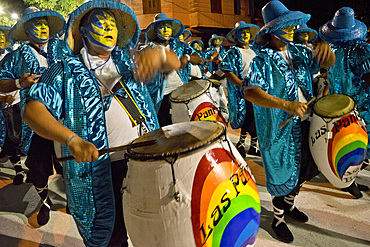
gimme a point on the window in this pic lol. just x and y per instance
(216, 6)
(237, 7)
(151, 6)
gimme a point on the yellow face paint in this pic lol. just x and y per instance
(2, 40)
(245, 35)
(217, 41)
(181, 38)
(38, 30)
(304, 36)
(289, 33)
(103, 29)
(164, 31)
(197, 47)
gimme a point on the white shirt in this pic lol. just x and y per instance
(247, 56)
(119, 126)
(173, 80)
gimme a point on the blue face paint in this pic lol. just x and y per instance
(163, 30)
(243, 35)
(38, 30)
(101, 29)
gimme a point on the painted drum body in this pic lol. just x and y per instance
(214, 202)
(338, 139)
(199, 100)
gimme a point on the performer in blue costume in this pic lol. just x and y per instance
(214, 55)
(305, 36)
(351, 73)
(6, 99)
(95, 93)
(280, 76)
(163, 32)
(20, 69)
(235, 65)
(197, 71)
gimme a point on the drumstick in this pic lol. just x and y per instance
(115, 149)
(281, 125)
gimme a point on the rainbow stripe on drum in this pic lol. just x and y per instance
(225, 204)
(206, 111)
(348, 145)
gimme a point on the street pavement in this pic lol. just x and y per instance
(335, 218)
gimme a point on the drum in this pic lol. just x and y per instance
(338, 139)
(199, 100)
(192, 188)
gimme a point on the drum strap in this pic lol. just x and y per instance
(128, 103)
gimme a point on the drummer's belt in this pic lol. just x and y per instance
(128, 104)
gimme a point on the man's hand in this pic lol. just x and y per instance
(9, 99)
(324, 54)
(27, 80)
(295, 108)
(82, 150)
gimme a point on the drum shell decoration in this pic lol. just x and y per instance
(199, 100)
(338, 146)
(219, 203)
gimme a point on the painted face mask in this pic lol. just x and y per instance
(164, 31)
(181, 38)
(38, 30)
(243, 36)
(304, 36)
(102, 30)
(286, 34)
(217, 41)
(197, 47)
(2, 40)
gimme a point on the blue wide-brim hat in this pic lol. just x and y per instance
(191, 43)
(253, 29)
(187, 34)
(127, 24)
(276, 17)
(215, 36)
(56, 23)
(312, 34)
(177, 27)
(6, 30)
(344, 27)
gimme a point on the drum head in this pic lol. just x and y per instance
(334, 105)
(177, 139)
(189, 91)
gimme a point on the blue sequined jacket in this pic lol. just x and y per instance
(20, 61)
(236, 103)
(280, 147)
(212, 67)
(345, 77)
(70, 93)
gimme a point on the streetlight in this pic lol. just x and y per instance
(14, 16)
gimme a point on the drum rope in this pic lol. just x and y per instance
(172, 162)
(225, 139)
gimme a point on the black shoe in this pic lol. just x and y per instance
(353, 190)
(241, 149)
(282, 231)
(44, 213)
(362, 187)
(254, 151)
(296, 214)
(18, 179)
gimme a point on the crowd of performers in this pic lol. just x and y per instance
(86, 85)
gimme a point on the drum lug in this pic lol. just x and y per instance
(361, 122)
(329, 135)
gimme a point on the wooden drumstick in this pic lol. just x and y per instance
(115, 149)
(281, 125)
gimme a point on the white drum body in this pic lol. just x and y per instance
(338, 144)
(209, 198)
(198, 100)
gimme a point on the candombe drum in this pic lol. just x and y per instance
(198, 100)
(191, 188)
(338, 139)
